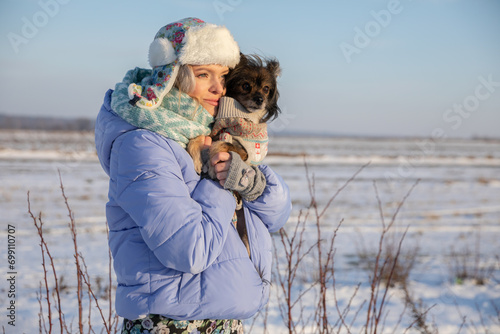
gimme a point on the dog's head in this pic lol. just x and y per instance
(253, 83)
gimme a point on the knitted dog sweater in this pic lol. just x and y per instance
(234, 123)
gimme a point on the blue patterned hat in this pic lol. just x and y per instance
(189, 41)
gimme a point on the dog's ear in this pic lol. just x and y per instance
(273, 66)
(243, 59)
(272, 107)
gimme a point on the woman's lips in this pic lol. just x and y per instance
(214, 103)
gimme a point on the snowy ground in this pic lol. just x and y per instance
(455, 209)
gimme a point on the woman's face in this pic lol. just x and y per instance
(209, 85)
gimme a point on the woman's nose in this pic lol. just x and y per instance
(217, 86)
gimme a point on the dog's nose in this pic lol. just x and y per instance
(258, 100)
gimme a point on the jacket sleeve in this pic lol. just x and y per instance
(185, 230)
(273, 207)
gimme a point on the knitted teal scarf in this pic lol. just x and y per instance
(179, 116)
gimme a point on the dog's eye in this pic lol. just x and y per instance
(246, 87)
(265, 89)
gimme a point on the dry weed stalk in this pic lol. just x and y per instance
(418, 313)
(38, 222)
(86, 279)
(111, 323)
(292, 261)
(466, 264)
(295, 253)
(325, 262)
(376, 303)
(79, 274)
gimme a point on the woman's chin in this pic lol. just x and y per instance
(212, 110)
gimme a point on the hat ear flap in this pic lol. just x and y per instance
(161, 52)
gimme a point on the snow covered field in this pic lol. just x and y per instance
(452, 215)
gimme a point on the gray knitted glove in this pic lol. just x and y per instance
(247, 180)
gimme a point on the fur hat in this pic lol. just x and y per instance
(189, 41)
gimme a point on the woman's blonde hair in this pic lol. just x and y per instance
(185, 80)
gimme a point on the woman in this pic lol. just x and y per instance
(179, 261)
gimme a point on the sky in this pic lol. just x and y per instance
(428, 68)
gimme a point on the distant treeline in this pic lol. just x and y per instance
(45, 123)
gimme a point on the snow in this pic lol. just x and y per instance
(452, 214)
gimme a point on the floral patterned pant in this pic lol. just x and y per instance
(157, 324)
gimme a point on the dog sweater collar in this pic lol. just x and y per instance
(229, 107)
(234, 123)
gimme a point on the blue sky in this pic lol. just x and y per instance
(426, 68)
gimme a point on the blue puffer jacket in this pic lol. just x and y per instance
(175, 250)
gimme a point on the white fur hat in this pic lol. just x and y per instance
(189, 41)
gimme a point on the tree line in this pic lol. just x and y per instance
(13, 122)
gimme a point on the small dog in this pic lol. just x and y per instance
(253, 83)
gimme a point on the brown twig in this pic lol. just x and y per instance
(41, 319)
(72, 226)
(110, 281)
(294, 255)
(339, 190)
(342, 315)
(39, 226)
(81, 276)
(374, 315)
(323, 264)
(418, 315)
(56, 285)
(391, 273)
(86, 279)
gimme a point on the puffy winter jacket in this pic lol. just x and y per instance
(175, 250)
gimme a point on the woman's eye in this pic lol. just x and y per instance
(265, 89)
(202, 75)
(246, 86)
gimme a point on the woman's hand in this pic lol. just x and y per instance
(221, 162)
